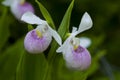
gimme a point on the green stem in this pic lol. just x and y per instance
(19, 66)
(51, 57)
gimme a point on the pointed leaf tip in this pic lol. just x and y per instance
(46, 14)
(64, 26)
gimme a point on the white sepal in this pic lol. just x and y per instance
(74, 29)
(31, 18)
(8, 2)
(85, 42)
(55, 35)
(86, 23)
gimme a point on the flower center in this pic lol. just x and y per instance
(75, 47)
(22, 2)
(39, 34)
(75, 43)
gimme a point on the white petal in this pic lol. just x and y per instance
(85, 42)
(65, 45)
(74, 29)
(55, 35)
(86, 23)
(7, 2)
(31, 18)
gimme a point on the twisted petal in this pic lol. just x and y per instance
(74, 29)
(86, 23)
(64, 46)
(85, 42)
(30, 18)
(55, 35)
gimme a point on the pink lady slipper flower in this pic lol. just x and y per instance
(18, 7)
(38, 40)
(75, 54)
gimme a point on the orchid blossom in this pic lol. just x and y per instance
(74, 52)
(38, 40)
(18, 7)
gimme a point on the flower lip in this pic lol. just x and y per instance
(79, 59)
(34, 44)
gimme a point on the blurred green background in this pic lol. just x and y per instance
(105, 33)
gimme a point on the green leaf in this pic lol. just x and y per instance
(46, 14)
(30, 27)
(62, 31)
(9, 60)
(31, 67)
(64, 26)
(4, 28)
